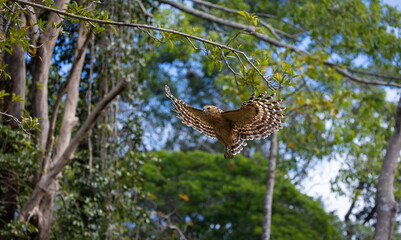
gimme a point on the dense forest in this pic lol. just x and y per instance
(90, 149)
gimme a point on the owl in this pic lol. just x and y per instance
(257, 118)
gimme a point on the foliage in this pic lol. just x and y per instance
(18, 166)
(213, 198)
(101, 202)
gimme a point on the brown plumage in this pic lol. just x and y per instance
(257, 118)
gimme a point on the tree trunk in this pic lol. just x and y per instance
(269, 187)
(30, 207)
(385, 202)
(42, 189)
(17, 71)
(68, 123)
(40, 73)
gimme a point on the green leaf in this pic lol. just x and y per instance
(114, 30)
(3, 93)
(53, 24)
(15, 98)
(245, 14)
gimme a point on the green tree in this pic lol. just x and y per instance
(212, 198)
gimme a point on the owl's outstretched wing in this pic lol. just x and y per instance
(190, 116)
(257, 118)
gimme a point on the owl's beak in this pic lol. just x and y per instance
(204, 111)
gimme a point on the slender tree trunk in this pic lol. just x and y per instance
(349, 212)
(269, 187)
(385, 202)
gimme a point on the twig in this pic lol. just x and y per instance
(243, 65)
(227, 64)
(9, 20)
(308, 87)
(16, 120)
(271, 29)
(143, 9)
(235, 36)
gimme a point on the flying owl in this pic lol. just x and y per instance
(257, 118)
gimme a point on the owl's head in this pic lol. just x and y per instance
(210, 109)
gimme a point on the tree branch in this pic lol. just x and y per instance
(247, 28)
(137, 25)
(16, 120)
(383, 76)
(48, 178)
(364, 81)
(266, 38)
(60, 94)
(235, 11)
(215, 6)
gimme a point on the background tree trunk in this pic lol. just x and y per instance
(385, 202)
(17, 71)
(267, 218)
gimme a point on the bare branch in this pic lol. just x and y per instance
(383, 76)
(274, 31)
(230, 10)
(235, 36)
(227, 64)
(143, 9)
(364, 81)
(219, 7)
(271, 29)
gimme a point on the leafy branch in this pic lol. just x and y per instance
(17, 121)
(110, 23)
(252, 30)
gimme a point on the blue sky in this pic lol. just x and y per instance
(394, 3)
